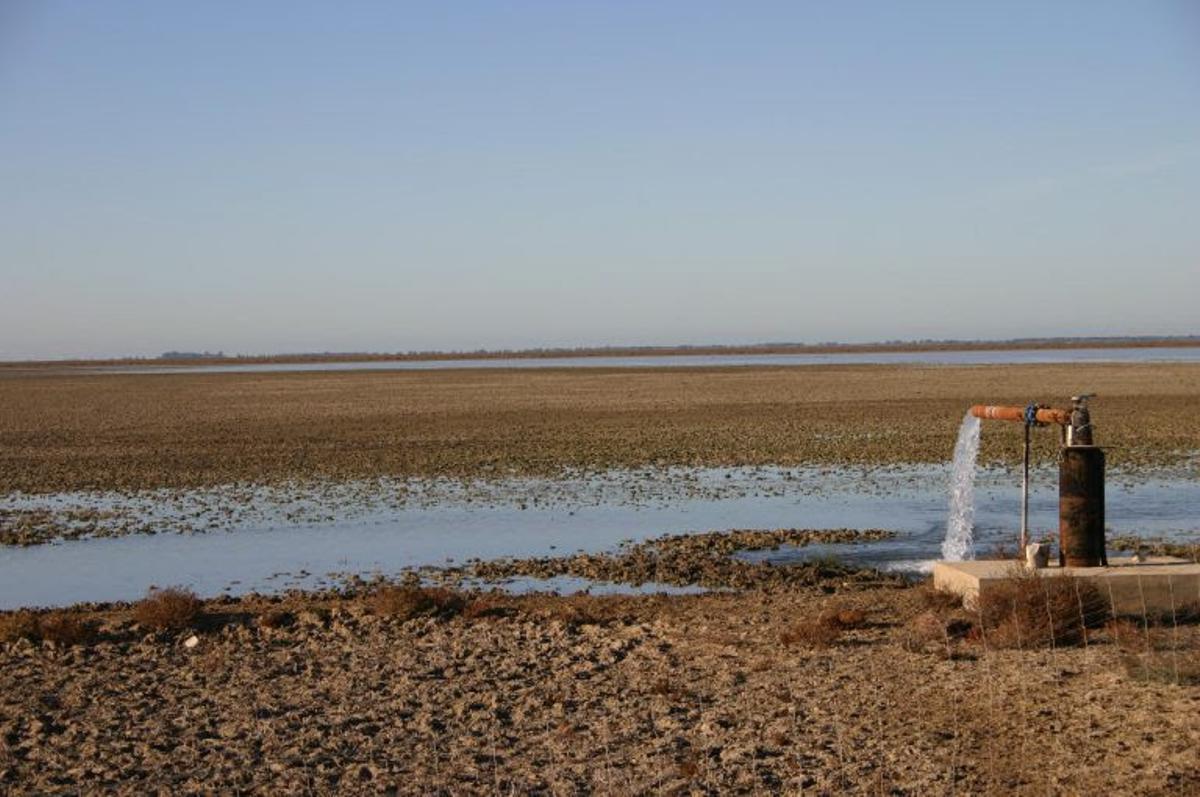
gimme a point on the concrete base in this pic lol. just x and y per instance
(1157, 584)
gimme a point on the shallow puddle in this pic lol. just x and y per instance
(242, 539)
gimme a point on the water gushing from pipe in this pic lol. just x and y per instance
(960, 526)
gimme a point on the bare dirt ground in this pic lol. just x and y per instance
(70, 432)
(832, 683)
(714, 694)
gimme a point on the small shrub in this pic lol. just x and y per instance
(19, 625)
(406, 603)
(926, 629)
(276, 618)
(569, 613)
(1180, 668)
(1182, 614)
(170, 609)
(825, 629)
(818, 633)
(1132, 637)
(1126, 635)
(846, 619)
(1029, 610)
(938, 600)
(59, 627)
(66, 628)
(485, 608)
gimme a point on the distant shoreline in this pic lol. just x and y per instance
(631, 351)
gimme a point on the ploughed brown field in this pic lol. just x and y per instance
(820, 680)
(63, 430)
(842, 686)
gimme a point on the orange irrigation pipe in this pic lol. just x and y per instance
(1022, 415)
(1043, 414)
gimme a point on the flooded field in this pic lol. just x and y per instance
(236, 482)
(233, 540)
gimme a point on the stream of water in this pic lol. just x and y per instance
(960, 526)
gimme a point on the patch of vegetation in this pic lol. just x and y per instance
(825, 629)
(1028, 610)
(1156, 547)
(60, 627)
(1181, 668)
(19, 625)
(482, 608)
(937, 600)
(169, 609)
(276, 618)
(409, 602)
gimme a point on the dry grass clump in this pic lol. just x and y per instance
(1125, 634)
(276, 618)
(938, 625)
(937, 600)
(408, 602)
(811, 634)
(927, 628)
(825, 629)
(59, 627)
(935, 631)
(1153, 650)
(1181, 668)
(66, 628)
(18, 625)
(483, 608)
(169, 609)
(847, 619)
(1028, 610)
(1134, 637)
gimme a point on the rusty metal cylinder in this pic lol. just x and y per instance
(1081, 506)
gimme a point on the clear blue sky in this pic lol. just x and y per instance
(291, 176)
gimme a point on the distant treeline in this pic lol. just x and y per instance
(1109, 342)
(192, 355)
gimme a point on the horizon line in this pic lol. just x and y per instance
(646, 350)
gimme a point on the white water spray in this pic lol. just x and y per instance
(960, 526)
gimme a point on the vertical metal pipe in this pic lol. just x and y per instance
(1025, 497)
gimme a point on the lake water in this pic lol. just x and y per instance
(1189, 354)
(315, 537)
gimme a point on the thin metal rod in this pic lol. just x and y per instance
(1025, 496)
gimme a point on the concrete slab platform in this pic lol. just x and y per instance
(1156, 584)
